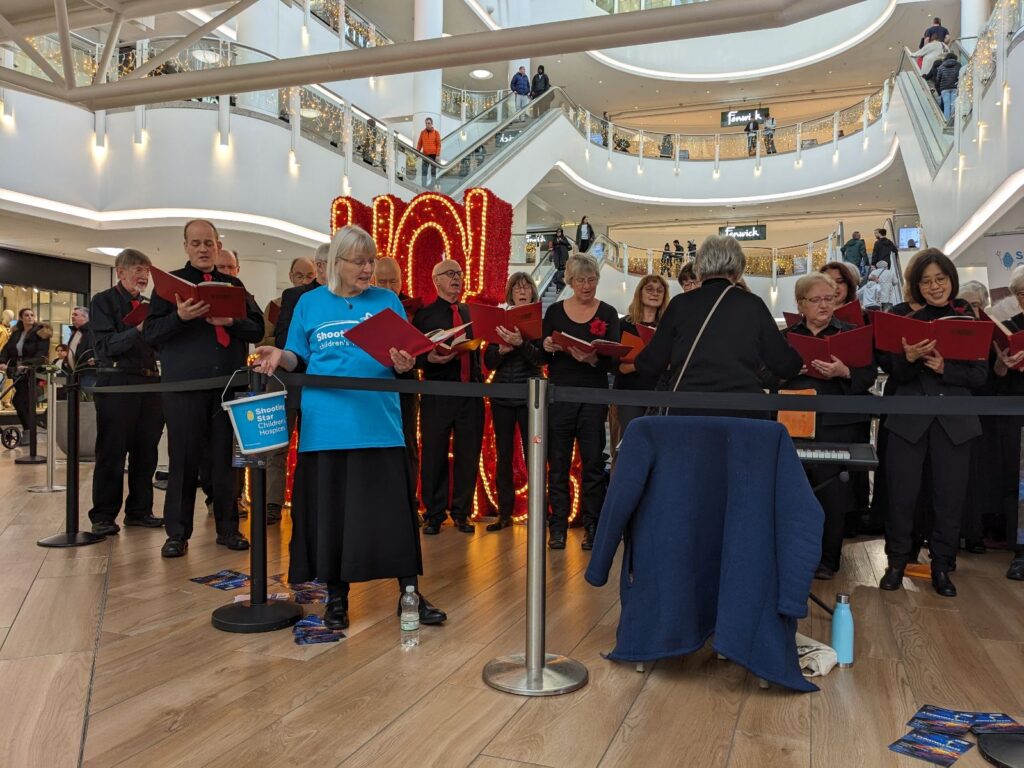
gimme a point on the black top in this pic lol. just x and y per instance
(560, 247)
(34, 347)
(118, 345)
(517, 367)
(958, 378)
(635, 380)
(439, 315)
(563, 368)
(284, 318)
(739, 340)
(540, 84)
(859, 383)
(189, 350)
(882, 250)
(1013, 382)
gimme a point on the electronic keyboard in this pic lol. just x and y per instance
(854, 456)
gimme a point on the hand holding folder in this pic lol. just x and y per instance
(525, 318)
(385, 331)
(137, 315)
(600, 346)
(1007, 342)
(957, 338)
(224, 299)
(853, 348)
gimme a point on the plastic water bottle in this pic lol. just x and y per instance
(410, 618)
(842, 631)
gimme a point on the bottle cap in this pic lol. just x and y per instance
(411, 588)
(842, 598)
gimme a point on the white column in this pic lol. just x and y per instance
(260, 279)
(427, 24)
(259, 26)
(519, 221)
(973, 15)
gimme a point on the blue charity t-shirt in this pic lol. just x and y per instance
(339, 419)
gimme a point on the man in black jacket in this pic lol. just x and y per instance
(126, 424)
(445, 418)
(946, 81)
(291, 297)
(192, 345)
(883, 249)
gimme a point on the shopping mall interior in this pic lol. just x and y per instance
(280, 121)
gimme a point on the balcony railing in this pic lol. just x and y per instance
(464, 105)
(628, 6)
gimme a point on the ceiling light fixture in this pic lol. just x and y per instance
(481, 74)
(105, 250)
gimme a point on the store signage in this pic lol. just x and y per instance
(736, 117)
(1005, 252)
(744, 233)
(505, 137)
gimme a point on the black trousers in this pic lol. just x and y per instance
(950, 469)
(22, 398)
(410, 404)
(1008, 436)
(196, 420)
(340, 588)
(838, 499)
(569, 423)
(584, 245)
(127, 426)
(505, 418)
(460, 419)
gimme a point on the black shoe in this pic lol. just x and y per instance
(501, 522)
(892, 580)
(273, 514)
(975, 547)
(556, 540)
(824, 573)
(145, 521)
(431, 529)
(174, 548)
(429, 614)
(106, 529)
(234, 541)
(588, 539)
(160, 484)
(942, 584)
(462, 525)
(336, 614)
(1016, 570)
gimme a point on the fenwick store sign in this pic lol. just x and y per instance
(749, 232)
(736, 117)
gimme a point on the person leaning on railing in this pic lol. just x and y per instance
(942, 443)
(514, 362)
(344, 527)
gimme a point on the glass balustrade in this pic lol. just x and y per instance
(476, 102)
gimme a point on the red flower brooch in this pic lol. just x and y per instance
(598, 327)
(960, 309)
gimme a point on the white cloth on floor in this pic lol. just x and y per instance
(816, 659)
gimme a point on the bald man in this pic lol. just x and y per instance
(227, 262)
(444, 417)
(300, 273)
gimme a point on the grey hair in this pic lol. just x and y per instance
(1017, 279)
(320, 257)
(348, 241)
(720, 256)
(973, 286)
(130, 257)
(581, 264)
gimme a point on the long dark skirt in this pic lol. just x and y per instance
(353, 518)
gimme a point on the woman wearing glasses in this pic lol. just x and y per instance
(344, 527)
(942, 443)
(816, 301)
(585, 317)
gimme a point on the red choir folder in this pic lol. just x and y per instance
(225, 300)
(601, 346)
(645, 332)
(525, 318)
(412, 305)
(958, 338)
(855, 348)
(791, 318)
(137, 315)
(635, 344)
(378, 334)
(850, 313)
(273, 312)
(1009, 341)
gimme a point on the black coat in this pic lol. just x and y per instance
(540, 84)
(118, 345)
(34, 346)
(882, 250)
(517, 367)
(284, 318)
(947, 75)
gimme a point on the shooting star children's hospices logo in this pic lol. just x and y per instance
(332, 334)
(1010, 260)
(250, 416)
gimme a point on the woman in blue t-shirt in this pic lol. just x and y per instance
(345, 526)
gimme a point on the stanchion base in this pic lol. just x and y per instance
(560, 674)
(30, 460)
(80, 539)
(45, 488)
(247, 618)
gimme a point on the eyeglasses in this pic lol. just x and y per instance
(304, 275)
(934, 281)
(584, 281)
(1020, 295)
(451, 274)
(360, 263)
(816, 300)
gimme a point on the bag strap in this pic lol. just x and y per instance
(686, 363)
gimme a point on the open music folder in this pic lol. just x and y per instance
(379, 334)
(486, 319)
(225, 300)
(855, 348)
(959, 338)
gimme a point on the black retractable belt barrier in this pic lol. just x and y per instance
(257, 614)
(33, 403)
(71, 537)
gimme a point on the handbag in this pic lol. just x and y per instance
(663, 411)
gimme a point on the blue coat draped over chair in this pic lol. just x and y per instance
(722, 536)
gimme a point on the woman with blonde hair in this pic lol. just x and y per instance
(650, 300)
(345, 528)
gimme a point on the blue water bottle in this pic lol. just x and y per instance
(842, 631)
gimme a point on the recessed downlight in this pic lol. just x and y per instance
(481, 74)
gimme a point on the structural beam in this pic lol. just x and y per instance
(35, 24)
(675, 23)
(9, 31)
(108, 49)
(194, 37)
(67, 56)
(19, 81)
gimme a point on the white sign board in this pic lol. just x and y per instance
(1003, 253)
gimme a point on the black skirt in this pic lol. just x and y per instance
(353, 518)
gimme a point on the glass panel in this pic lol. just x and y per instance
(472, 131)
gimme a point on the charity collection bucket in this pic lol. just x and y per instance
(259, 421)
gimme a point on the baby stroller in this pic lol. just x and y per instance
(11, 434)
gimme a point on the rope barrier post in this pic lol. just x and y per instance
(33, 434)
(257, 614)
(536, 673)
(51, 437)
(72, 537)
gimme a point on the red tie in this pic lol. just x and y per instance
(463, 358)
(222, 335)
(135, 304)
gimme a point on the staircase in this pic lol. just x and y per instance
(550, 296)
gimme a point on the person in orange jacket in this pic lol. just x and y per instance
(429, 143)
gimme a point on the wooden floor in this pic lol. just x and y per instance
(108, 658)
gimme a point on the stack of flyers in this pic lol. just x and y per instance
(271, 596)
(311, 630)
(939, 720)
(995, 722)
(306, 592)
(938, 748)
(226, 579)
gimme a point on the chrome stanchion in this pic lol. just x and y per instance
(51, 436)
(33, 401)
(536, 673)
